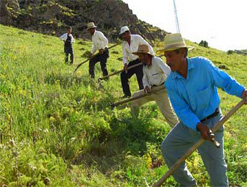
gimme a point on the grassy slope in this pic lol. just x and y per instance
(58, 128)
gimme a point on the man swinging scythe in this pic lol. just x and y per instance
(192, 89)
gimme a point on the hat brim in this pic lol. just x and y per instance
(92, 27)
(174, 48)
(121, 33)
(137, 53)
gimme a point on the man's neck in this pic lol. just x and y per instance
(183, 70)
(149, 61)
(128, 40)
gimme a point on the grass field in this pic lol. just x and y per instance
(57, 128)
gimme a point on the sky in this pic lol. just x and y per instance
(222, 23)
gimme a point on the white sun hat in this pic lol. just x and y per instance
(173, 42)
(91, 25)
(124, 29)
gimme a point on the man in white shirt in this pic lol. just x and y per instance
(130, 44)
(155, 72)
(100, 43)
(68, 49)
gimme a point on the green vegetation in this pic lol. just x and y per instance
(203, 43)
(243, 52)
(57, 128)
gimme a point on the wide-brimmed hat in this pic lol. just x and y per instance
(143, 49)
(173, 42)
(91, 25)
(124, 29)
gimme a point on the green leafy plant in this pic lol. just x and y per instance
(57, 128)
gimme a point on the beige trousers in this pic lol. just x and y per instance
(162, 100)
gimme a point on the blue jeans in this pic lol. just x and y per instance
(181, 138)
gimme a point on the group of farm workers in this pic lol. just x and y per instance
(190, 90)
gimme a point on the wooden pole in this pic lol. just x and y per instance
(119, 71)
(92, 57)
(155, 89)
(197, 144)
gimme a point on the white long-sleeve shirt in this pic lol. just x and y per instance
(155, 74)
(135, 41)
(99, 41)
(65, 36)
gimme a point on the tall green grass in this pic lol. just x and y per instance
(57, 128)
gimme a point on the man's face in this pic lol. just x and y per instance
(91, 31)
(69, 31)
(144, 59)
(174, 59)
(125, 36)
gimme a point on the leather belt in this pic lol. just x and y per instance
(217, 111)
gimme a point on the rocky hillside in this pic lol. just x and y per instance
(53, 16)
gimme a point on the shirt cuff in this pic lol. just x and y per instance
(192, 123)
(239, 90)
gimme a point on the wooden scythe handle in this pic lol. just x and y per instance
(197, 144)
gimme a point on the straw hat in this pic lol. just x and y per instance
(91, 25)
(142, 49)
(173, 42)
(124, 29)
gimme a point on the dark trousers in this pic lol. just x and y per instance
(125, 77)
(102, 58)
(67, 51)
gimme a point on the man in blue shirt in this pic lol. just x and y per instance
(192, 89)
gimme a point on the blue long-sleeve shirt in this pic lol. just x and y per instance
(196, 97)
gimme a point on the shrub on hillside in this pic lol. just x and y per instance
(203, 43)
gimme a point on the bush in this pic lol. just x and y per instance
(203, 43)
